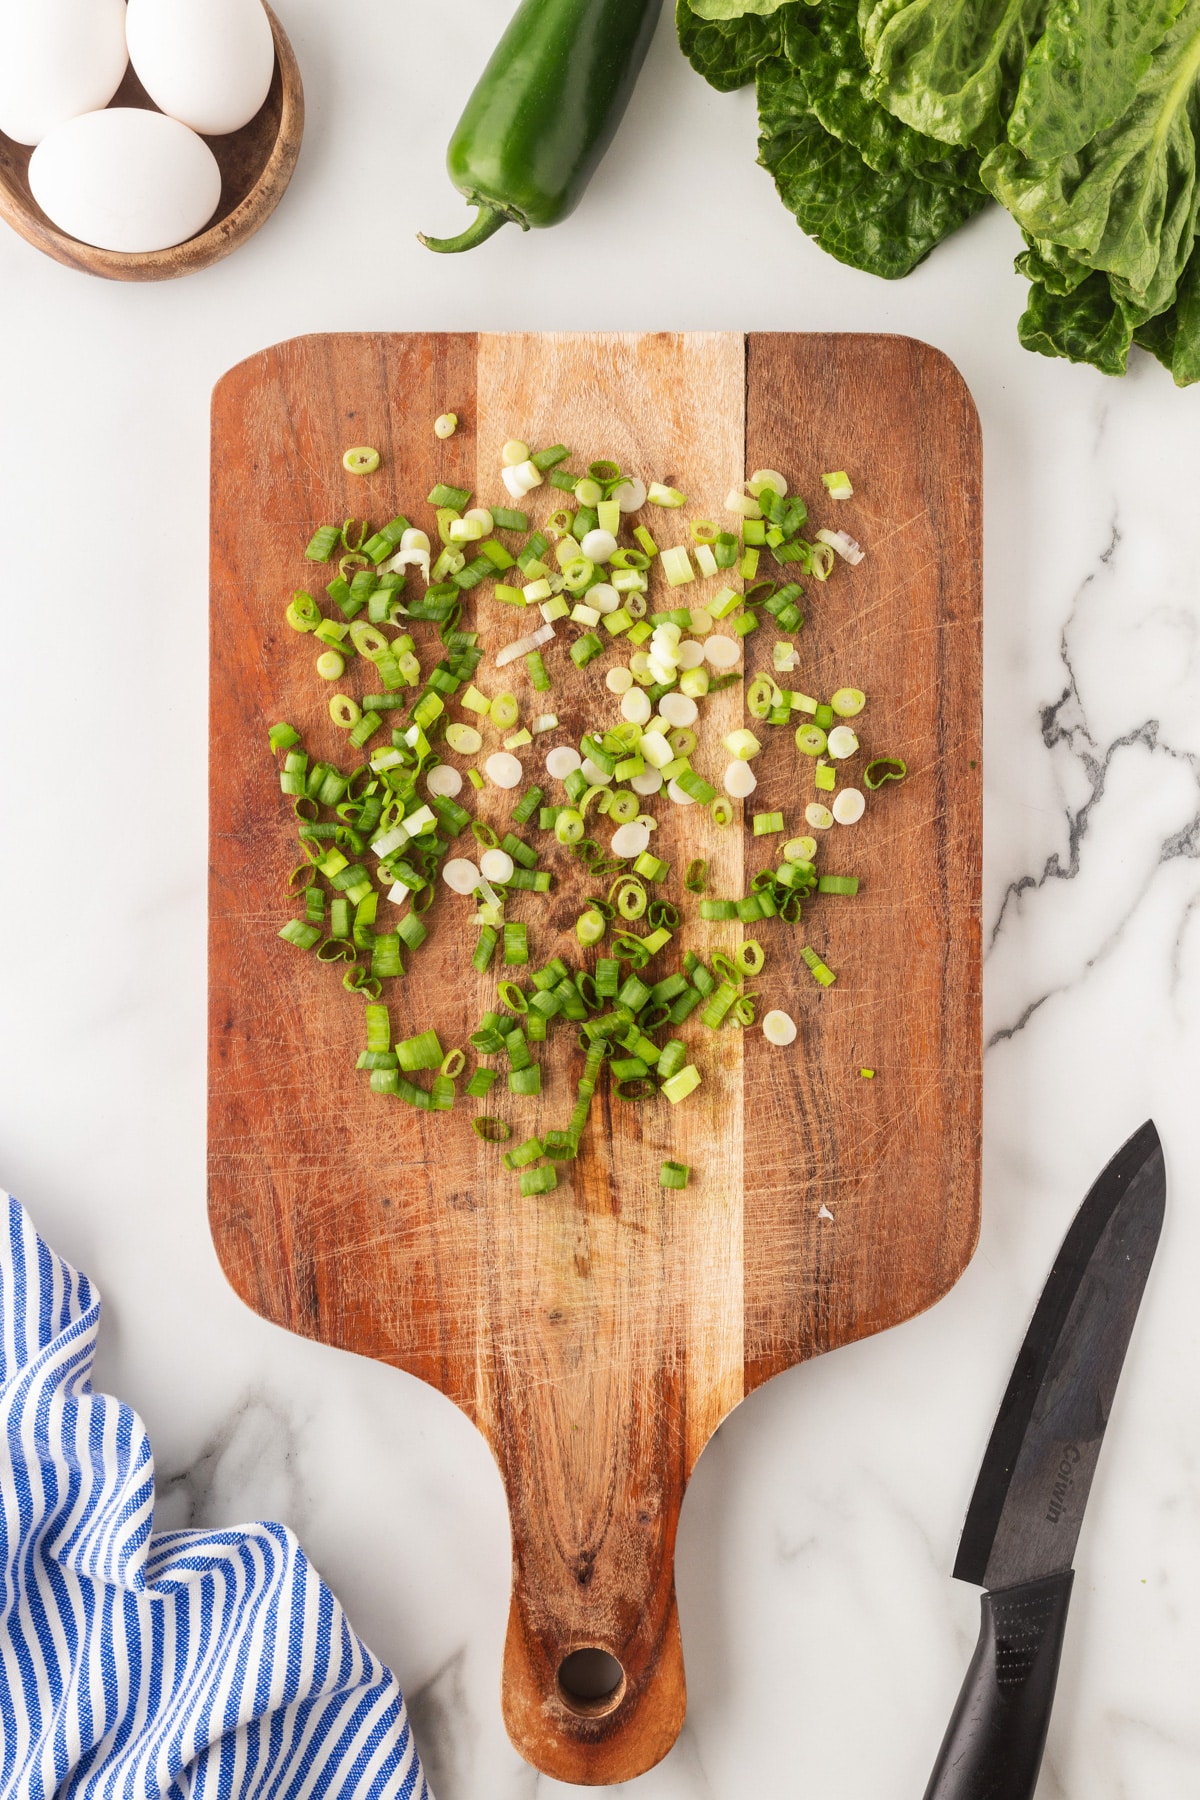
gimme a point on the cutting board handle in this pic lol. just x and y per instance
(587, 1705)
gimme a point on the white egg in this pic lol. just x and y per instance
(58, 58)
(125, 179)
(207, 62)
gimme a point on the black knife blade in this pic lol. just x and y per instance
(1027, 1509)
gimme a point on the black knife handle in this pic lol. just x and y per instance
(993, 1745)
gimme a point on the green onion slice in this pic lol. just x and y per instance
(492, 1131)
(884, 768)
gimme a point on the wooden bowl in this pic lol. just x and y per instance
(256, 165)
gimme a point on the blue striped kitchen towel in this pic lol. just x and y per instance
(195, 1663)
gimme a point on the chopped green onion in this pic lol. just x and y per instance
(516, 944)
(539, 1181)
(680, 1085)
(820, 971)
(884, 768)
(492, 1131)
(323, 543)
(590, 926)
(749, 957)
(443, 496)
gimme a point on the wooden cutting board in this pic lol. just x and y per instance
(598, 1335)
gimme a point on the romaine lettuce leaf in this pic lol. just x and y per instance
(1087, 325)
(1084, 70)
(1174, 336)
(827, 52)
(885, 223)
(733, 9)
(1127, 202)
(727, 52)
(951, 68)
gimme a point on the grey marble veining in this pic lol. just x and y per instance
(824, 1637)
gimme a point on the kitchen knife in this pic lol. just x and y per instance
(1024, 1518)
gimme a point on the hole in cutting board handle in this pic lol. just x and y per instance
(591, 1682)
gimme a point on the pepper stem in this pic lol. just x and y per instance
(488, 220)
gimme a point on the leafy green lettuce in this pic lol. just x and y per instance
(882, 222)
(886, 122)
(733, 9)
(951, 68)
(727, 52)
(1126, 202)
(1084, 70)
(871, 191)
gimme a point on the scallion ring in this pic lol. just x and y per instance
(629, 896)
(492, 1131)
(884, 768)
(638, 1087)
(749, 957)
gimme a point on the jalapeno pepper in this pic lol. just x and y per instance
(545, 110)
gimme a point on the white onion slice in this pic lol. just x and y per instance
(842, 742)
(691, 654)
(630, 840)
(618, 680)
(562, 761)
(721, 652)
(849, 806)
(647, 783)
(414, 558)
(442, 779)
(595, 774)
(740, 780)
(511, 652)
(636, 707)
(504, 769)
(678, 709)
(843, 544)
(497, 865)
(598, 545)
(779, 1027)
(630, 496)
(678, 796)
(818, 816)
(604, 598)
(521, 479)
(460, 874)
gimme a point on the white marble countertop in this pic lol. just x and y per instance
(824, 1637)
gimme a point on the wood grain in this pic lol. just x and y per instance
(256, 166)
(598, 1336)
